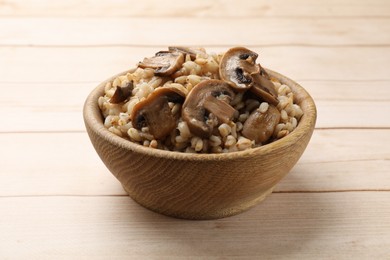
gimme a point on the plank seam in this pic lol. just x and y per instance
(332, 191)
(199, 17)
(353, 128)
(119, 45)
(123, 195)
(346, 161)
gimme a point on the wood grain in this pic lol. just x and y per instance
(85, 65)
(53, 164)
(348, 90)
(200, 8)
(66, 117)
(332, 205)
(73, 168)
(89, 32)
(336, 101)
(305, 226)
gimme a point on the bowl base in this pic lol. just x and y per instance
(220, 213)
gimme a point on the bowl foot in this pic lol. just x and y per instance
(217, 214)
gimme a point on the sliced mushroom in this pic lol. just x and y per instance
(220, 109)
(209, 96)
(260, 126)
(264, 88)
(238, 66)
(187, 50)
(122, 93)
(263, 72)
(164, 63)
(154, 112)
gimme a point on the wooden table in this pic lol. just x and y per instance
(57, 199)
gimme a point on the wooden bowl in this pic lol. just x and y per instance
(199, 186)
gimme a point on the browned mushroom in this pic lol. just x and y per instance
(264, 88)
(154, 112)
(209, 96)
(122, 93)
(187, 50)
(164, 63)
(238, 66)
(263, 72)
(260, 126)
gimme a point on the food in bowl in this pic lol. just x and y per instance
(191, 101)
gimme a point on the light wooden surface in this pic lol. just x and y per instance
(57, 199)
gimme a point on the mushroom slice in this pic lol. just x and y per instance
(164, 63)
(264, 88)
(260, 126)
(222, 110)
(237, 67)
(263, 72)
(209, 96)
(188, 50)
(154, 112)
(122, 93)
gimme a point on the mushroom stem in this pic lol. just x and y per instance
(264, 89)
(195, 109)
(238, 67)
(222, 110)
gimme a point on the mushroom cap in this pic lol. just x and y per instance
(260, 126)
(164, 63)
(202, 100)
(154, 111)
(237, 66)
(192, 51)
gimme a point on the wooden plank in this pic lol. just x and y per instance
(58, 107)
(43, 107)
(66, 164)
(29, 65)
(53, 163)
(244, 31)
(202, 8)
(348, 175)
(353, 114)
(348, 90)
(347, 145)
(28, 117)
(285, 226)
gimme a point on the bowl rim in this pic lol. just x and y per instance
(94, 120)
